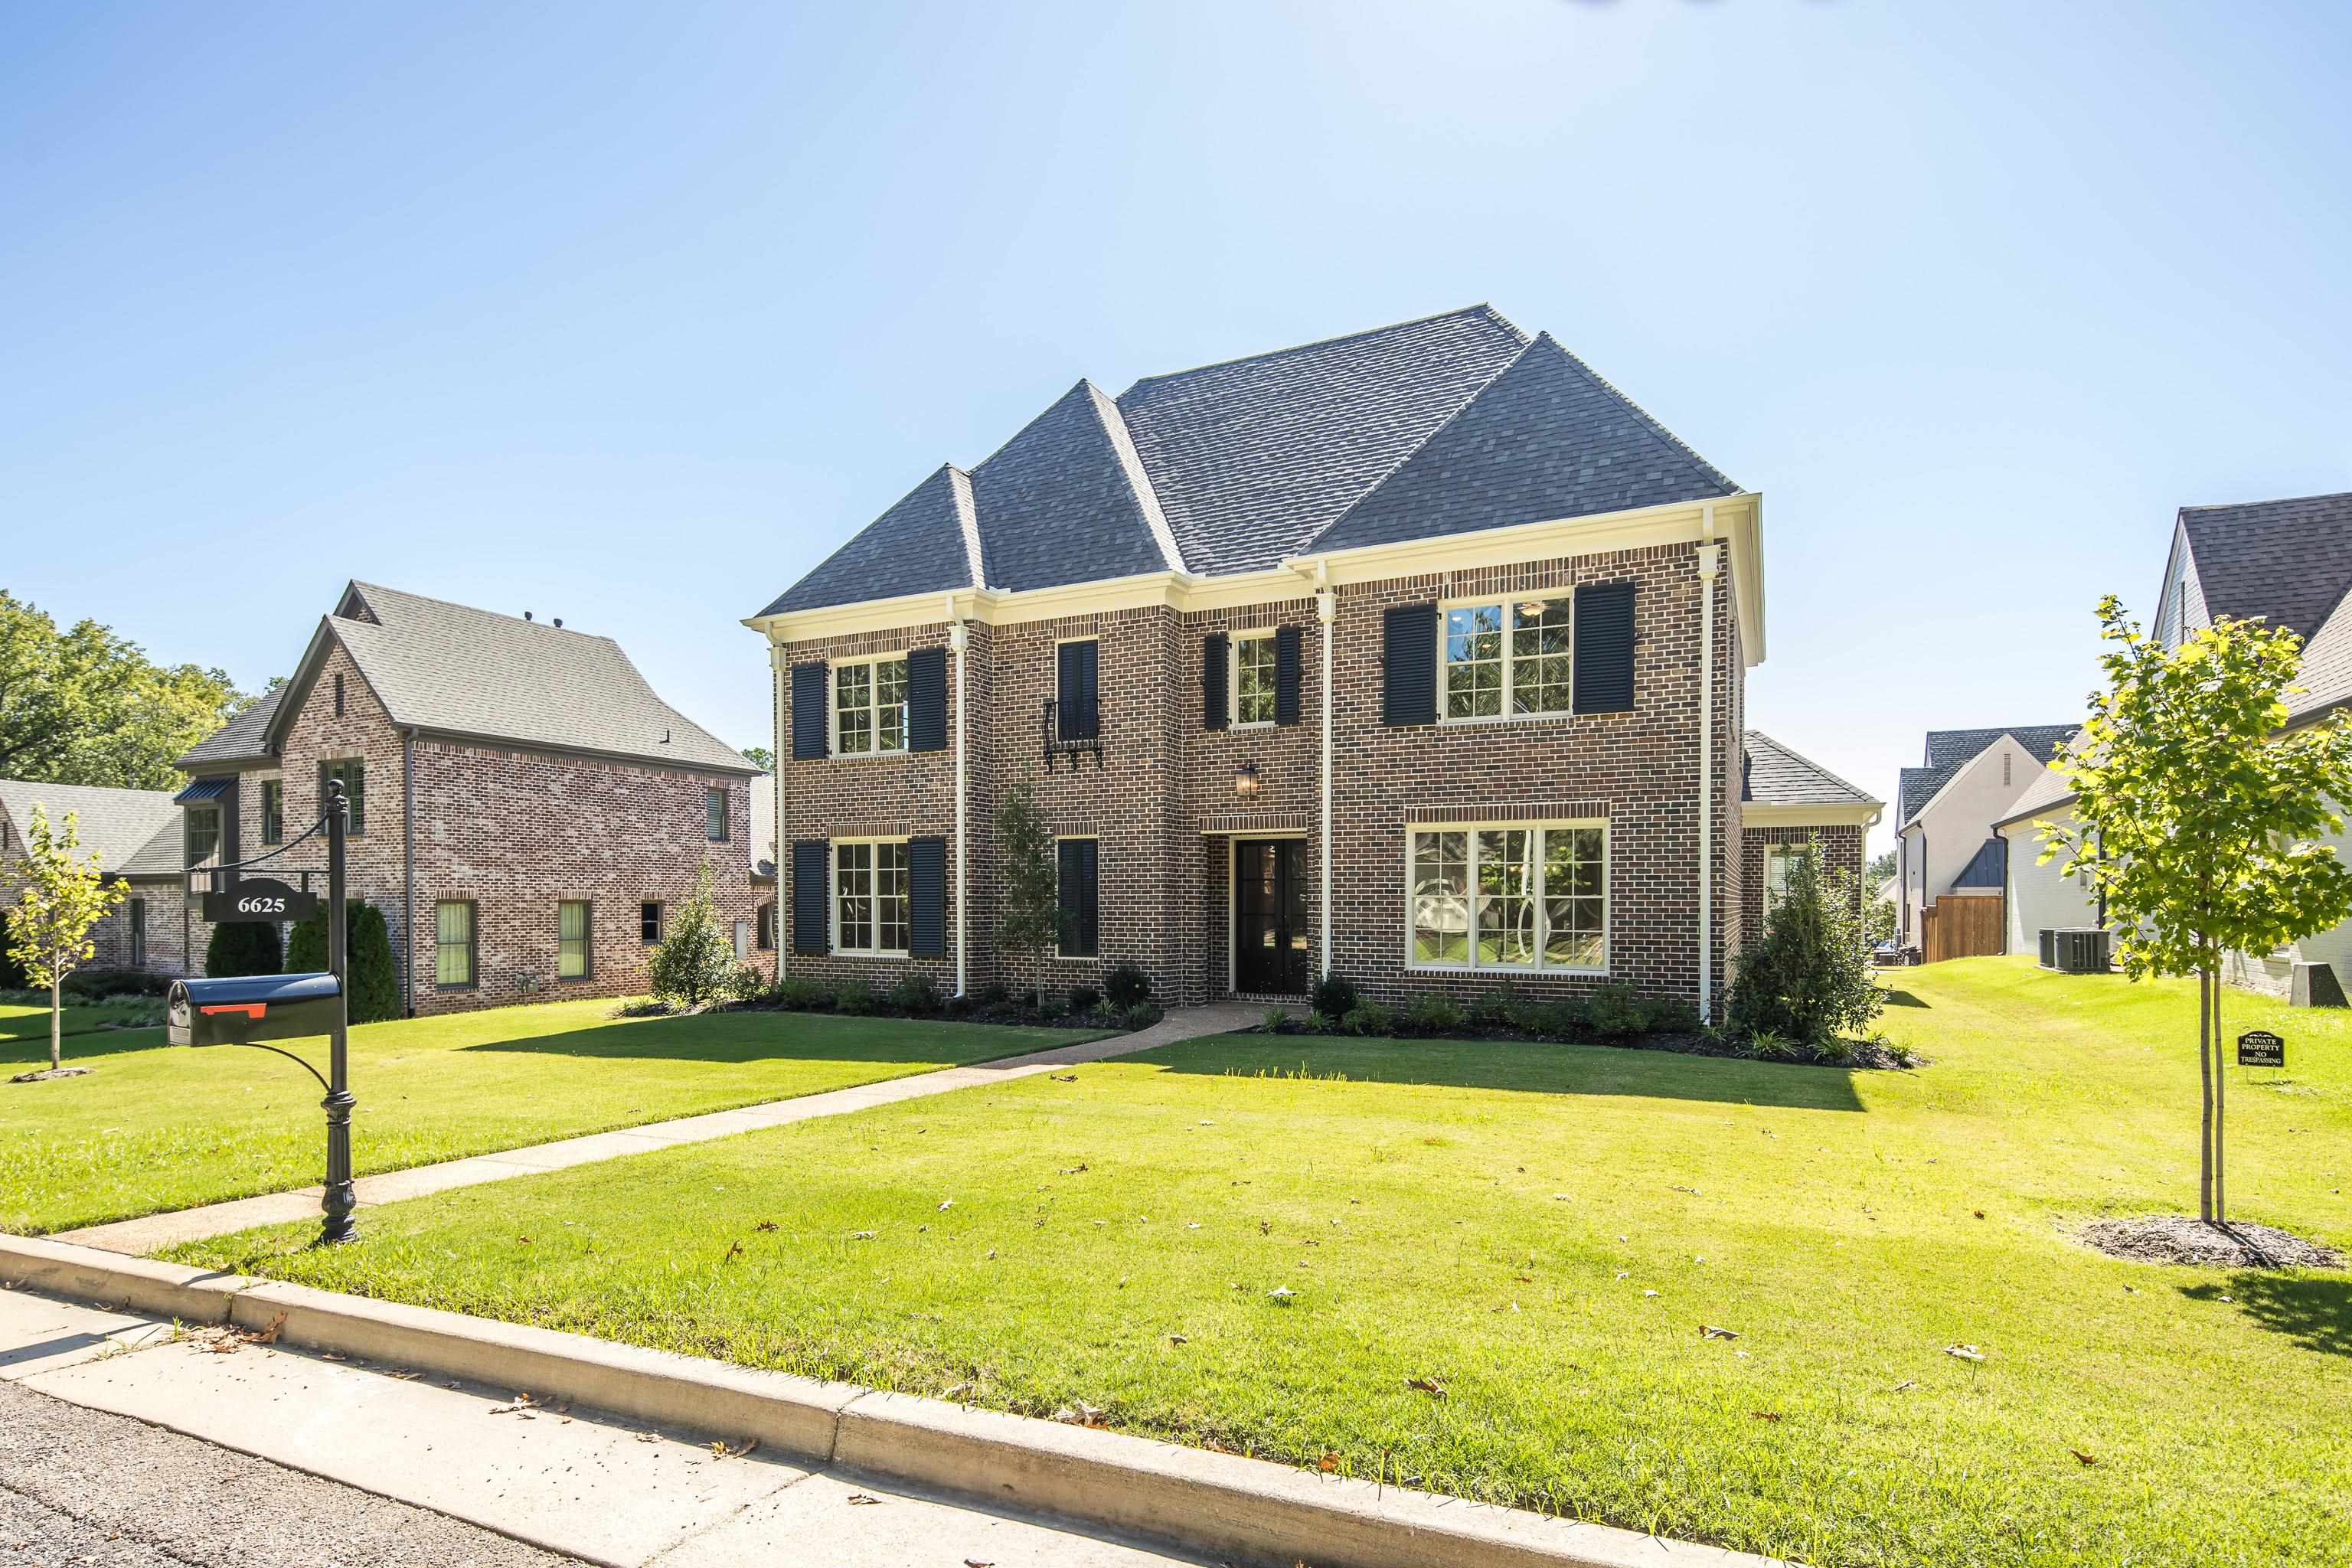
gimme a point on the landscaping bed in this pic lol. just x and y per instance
(1121, 1004)
(1839, 1317)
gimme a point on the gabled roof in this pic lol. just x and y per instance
(1987, 868)
(2048, 792)
(470, 674)
(1775, 776)
(2289, 560)
(243, 739)
(1949, 751)
(116, 823)
(1446, 425)
(924, 544)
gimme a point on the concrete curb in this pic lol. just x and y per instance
(1220, 1504)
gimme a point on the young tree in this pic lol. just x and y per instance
(62, 898)
(1032, 917)
(2195, 814)
(695, 962)
(1809, 976)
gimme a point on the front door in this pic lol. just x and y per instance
(1270, 916)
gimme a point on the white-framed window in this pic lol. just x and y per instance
(1512, 896)
(870, 896)
(1505, 658)
(1251, 697)
(1778, 858)
(869, 705)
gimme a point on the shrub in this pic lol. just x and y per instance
(242, 947)
(1318, 1022)
(855, 997)
(373, 984)
(800, 994)
(1808, 975)
(747, 984)
(1615, 1013)
(1434, 1013)
(1553, 1020)
(993, 994)
(1369, 1018)
(11, 974)
(914, 992)
(1275, 1020)
(1126, 984)
(1771, 1046)
(1085, 998)
(98, 983)
(1335, 995)
(1142, 1015)
(1493, 1009)
(694, 962)
(1051, 1008)
(1836, 1051)
(1673, 1015)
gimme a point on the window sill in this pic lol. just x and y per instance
(1510, 971)
(863, 756)
(1473, 723)
(1077, 958)
(573, 978)
(864, 952)
(457, 985)
(1255, 724)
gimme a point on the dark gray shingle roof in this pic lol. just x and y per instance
(1949, 751)
(116, 823)
(2290, 560)
(1546, 438)
(1439, 425)
(1775, 776)
(238, 740)
(919, 546)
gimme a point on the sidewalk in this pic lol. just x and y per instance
(593, 1487)
(153, 1233)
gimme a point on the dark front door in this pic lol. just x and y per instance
(1270, 916)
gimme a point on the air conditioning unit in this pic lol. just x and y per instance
(2074, 949)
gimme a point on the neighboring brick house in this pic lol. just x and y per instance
(135, 833)
(1789, 803)
(559, 807)
(1418, 655)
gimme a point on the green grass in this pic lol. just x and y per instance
(28, 1021)
(157, 1127)
(1495, 1217)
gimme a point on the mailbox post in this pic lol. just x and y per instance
(339, 1200)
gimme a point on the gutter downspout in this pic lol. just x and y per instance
(959, 639)
(1710, 556)
(408, 867)
(2003, 840)
(776, 724)
(1326, 612)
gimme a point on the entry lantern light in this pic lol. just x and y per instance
(1245, 779)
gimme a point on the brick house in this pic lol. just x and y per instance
(1419, 654)
(135, 833)
(525, 809)
(1788, 805)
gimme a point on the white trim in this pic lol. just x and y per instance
(1508, 603)
(1233, 677)
(1710, 561)
(833, 898)
(1536, 895)
(967, 522)
(1327, 615)
(1860, 813)
(777, 667)
(959, 639)
(833, 667)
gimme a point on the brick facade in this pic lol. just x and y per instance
(1164, 807)
(1841, 846)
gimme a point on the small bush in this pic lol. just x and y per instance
(1317, 1022)
(1335, 995)
(802, 995)
(1126, 984)
(747, 984)
(1673, 1015)
(1837, 1051)
(1369, 1018)
(914, 992)
(1808, 975)
(1434, 1013)
(1085, 998)
(855, 997)
(1492, 1009)
(242, 947)
(97, 983)
(1275, 1020)
(1556, 1020)
(1771, 1046)
(1051, 1008)
(994, 994)
(1615, 1013)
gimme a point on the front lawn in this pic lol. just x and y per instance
(157, 1127)
(27, 1020)
(1543, 1233)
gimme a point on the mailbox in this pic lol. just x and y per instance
(251, 1008)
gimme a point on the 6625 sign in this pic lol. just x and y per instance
(260, 899)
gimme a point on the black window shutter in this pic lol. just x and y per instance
(809, 715)
(927, 897)
(1604, 676)
(1285, 675)
(1409, 653)
(927, 700)
(1075, 712)
(812, 933)
(1075, 897)
(1214, 650)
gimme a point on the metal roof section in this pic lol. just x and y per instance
(1988, 868)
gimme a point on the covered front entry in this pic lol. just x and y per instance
(1270, 935)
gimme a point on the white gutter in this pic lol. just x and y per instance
(1327, 611)
(959, 637)
(1710, 556)
(776, 822)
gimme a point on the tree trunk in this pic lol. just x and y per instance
(2205, 1073)
(2220, 1105)
(57, 1022)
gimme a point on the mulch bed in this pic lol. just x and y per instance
(2180, 1238)
(1866, 1055)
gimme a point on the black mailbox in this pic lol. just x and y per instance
(251, 1008)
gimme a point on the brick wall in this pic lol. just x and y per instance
(1841, 851)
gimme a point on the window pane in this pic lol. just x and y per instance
(891, 705)
(571, 940)
(650, 922)
(1506, 907)
(1575, 904)
(453, 946)
(204, 833)
(1474, 662)
(890, 897)
(1253, 680)
(1441, 898)
(853, 880)
(853, 701)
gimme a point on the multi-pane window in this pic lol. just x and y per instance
(353, 774)
(870, 896)
(204, 835)
(714, 814)
(1508, 660)
(1779, 862)
(453, 942)
(1254, 679)
(650, 922)
(273, 811)
(1511, 895)
(572, 940)
(869, 706)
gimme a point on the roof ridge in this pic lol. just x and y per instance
(2269, 500)
(458, 604)
(1491, 314)
(1655, 425)
(1138, 480)
(61, 784)
(967, 516)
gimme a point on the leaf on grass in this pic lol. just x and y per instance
(1431, 1386)
(1282, 1293)
(1180, 1340)
(1329, 1462)
(1505, 1307)
(1649, 1292)
(1979, 1213)
(524, 1239)
(1079, 1413)
(734, 1252)
(2085, 1458)
(1764, 1415)
(861, 1235)
(765, 1225)
(1709, 1331)
(1966, 1352)
(1525, 1278)
(1063, 1076)
(947, 1206)
(1906, 1382)
(859, 1499)
(1692, 1191)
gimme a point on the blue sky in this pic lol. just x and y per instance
(630, 314)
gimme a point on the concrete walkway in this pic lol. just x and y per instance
(153, 1233)
(593, 1487)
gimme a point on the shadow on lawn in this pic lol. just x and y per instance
(1904, 999)
(755, 1037)
(2314, 1310)
(97, 1043)
(1626, 1071)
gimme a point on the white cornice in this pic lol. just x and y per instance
(1856, 814)
(1737, 522)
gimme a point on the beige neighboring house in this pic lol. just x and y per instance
(136, 835)
(1951, 864)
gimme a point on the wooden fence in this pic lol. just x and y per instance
(1961, 925)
